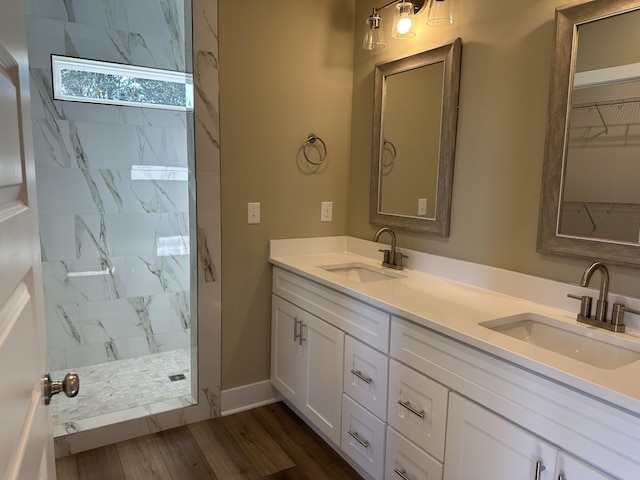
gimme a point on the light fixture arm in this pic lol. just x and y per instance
(417, 5)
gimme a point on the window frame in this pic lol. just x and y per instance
(60, 63)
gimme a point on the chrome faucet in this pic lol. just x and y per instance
(600, 320)
(601, 306)
(392, 258)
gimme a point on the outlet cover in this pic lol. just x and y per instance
(326, 214)
(422, 206)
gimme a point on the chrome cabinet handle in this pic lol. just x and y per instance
(300, 337)
(362, 376)
(296, 322)
(561, 476)
(539, 469)
(359, 439)
(401, 473)
(70, 386)
(408, 406)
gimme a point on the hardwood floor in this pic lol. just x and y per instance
(269, 442)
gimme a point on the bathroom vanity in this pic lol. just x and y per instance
(426, 373)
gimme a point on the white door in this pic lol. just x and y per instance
(323, 364)
(570, 468)
(483, 446)
(287, 351)
(26, 440)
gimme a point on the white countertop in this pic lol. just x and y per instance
(471, 294)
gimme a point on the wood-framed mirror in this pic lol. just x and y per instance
(590, 205)
(414, 137)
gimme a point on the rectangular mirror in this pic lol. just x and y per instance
(414, 136)
(590, 201)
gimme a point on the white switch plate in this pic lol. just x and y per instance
(253, 213)
(422, 206)
(326, 215)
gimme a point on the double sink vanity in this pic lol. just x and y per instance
(447, 369)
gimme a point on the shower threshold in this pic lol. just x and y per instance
(123, 390)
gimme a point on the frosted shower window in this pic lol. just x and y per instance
(91, 81)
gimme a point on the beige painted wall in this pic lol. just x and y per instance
(506, 64)
(286, 74)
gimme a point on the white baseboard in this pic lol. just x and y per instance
(246, 397)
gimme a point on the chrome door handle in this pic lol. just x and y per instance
(296, 335)
(407, 405)
(362, 376)
(359, 439)
(300, 337)
(539, 469)
(70, 386)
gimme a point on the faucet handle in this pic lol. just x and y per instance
(617, 315)
(386, 253)
(585, 304)
(399, 260)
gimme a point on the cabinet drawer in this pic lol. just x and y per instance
(417, 408)
(363, 437)
(406, 460)
(364, 322)
(366, 374)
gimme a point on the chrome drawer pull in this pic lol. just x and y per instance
(561, 476)
(296, 322)
(539, 469)
(408, 406)
(359, 439)
(362, 376)
(401, 473)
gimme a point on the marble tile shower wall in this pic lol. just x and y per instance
(115, 249)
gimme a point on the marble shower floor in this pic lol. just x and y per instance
(122, 390)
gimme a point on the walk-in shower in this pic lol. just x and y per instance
(116, 204)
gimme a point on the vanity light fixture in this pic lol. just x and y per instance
(440, 13)
(403, 20)
(373, 37)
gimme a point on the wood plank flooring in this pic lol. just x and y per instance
(269, 442)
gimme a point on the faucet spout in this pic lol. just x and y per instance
(392, 252)
(601, 308)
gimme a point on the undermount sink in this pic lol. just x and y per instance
(575, 341)
(361, 272)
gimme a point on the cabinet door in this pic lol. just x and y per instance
(570, 468)
(323, 361)
(286, 351)
(483, 446)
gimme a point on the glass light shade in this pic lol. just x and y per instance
(403, 21)
(373, 37)
(440, 13)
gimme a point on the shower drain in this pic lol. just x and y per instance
(176, 377)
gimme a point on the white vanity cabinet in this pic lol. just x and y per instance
(570, 468)
(484, 446)
(306, 364)
(401, 401)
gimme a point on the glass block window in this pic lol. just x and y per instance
(92, 81)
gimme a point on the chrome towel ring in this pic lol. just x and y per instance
(311, 142)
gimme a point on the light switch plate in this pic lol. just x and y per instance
(253, 213)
